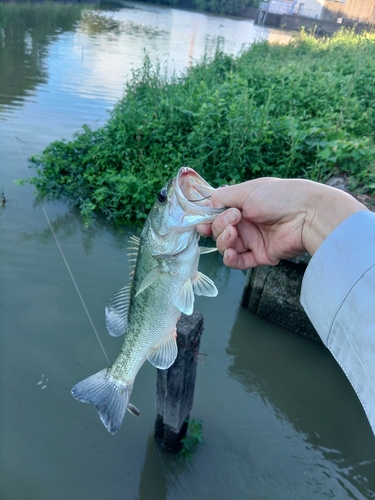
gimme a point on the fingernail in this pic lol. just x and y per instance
(230, 216)
(226, 234)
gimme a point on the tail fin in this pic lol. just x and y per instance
(110, 397)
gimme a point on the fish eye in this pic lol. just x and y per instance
(162, 196)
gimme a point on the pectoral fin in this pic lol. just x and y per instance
(116, 312)
(185, 299)
(163, 355)
(203, 250)
(149, 279)
(203, 285)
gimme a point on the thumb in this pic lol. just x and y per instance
(236, 195)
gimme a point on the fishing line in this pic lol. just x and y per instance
(63, 256)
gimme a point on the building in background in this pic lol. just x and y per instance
(349, 10)
(337, 11)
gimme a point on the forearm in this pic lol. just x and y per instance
(327, 208)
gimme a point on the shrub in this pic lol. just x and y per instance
(305, 109)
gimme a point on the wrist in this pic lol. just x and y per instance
(328, 207)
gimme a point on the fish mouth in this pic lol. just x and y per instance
(189, 204)
(192, 189)
(194, 196)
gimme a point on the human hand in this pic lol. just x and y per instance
(271, 219)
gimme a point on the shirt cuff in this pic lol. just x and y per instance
(340, 261)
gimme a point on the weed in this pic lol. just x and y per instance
(192, 439)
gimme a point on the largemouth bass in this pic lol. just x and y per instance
(166, 277)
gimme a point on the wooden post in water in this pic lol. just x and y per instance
(175, 386)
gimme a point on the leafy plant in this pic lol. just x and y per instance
(192, 439)
(305, 109)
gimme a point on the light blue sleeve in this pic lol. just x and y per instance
(338, 295)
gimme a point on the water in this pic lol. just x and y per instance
(280, 420)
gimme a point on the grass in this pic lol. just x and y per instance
(191, 440)
(305, 109)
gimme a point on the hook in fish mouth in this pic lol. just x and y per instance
(200, 199)
(206, 197)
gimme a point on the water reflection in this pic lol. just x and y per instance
(116, 23)
(69, 225)
(95, 22)
(161, 474)
(211, 264)
(32, 42)
(304, 387)
(26, 30)
(153, 483)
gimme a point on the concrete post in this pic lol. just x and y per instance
(273, 292)
(175, 386)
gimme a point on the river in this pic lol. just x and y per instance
(280, 420)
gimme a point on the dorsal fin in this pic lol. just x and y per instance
(116, 311)
(134, 239)
(133, 250)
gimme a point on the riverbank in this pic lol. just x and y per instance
(305, 109)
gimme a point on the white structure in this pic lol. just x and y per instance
(308, 8)
(279, 6)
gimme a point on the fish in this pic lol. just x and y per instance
(165, 280)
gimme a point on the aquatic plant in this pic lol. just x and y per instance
(305, 109)
(192, 439)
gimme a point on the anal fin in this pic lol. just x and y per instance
(164, 354)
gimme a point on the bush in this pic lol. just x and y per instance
(306, 109)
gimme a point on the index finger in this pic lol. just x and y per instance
(230, 217)
(226, 196)
(235, 196)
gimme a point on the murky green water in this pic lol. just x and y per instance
(280, 419)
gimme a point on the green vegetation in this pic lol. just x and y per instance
(306, 109)
(191, 440)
